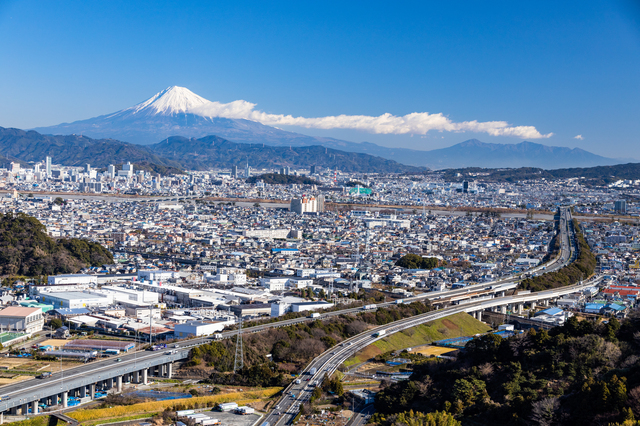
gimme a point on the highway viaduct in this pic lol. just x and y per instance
(84, 381)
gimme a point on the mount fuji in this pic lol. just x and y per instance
(174, 112)
(177, 111)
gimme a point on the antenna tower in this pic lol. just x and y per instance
(238, 363)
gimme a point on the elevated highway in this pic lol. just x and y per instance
(325, 364)
(85, 380)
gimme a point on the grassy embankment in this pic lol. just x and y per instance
(456, 325)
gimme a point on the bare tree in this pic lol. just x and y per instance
(356, 327)
(543, 411)
(634, 400)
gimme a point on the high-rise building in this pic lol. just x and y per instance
(314, 170)
(87, 168)
(247, 171)
(111, 171)
(234, 172)
(48, 166)
(127, 170)
(620, 206)
(307, 204)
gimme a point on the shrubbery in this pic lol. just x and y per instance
(414, 261)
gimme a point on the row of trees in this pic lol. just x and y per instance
(291, 347)
(583, 267)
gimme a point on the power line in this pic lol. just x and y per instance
(238, 363)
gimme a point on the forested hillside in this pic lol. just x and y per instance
(26, 249)
(579, 374)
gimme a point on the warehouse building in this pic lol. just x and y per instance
(76, 299)
(199, 328)
(72, 279)
(310, 306)
(25, 320)
(253, 309)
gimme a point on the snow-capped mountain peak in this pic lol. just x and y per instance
(171, 101)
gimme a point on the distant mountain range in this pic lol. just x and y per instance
(176, 153)
(473, 153)
(176, 112)
(599, 175)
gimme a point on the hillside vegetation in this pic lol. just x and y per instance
(579, 374)
(599, 175)
(26, 249)
(291, 347)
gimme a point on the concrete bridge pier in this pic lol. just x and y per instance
(83, 392)
(503, 309)
(65, 395)
(145, 378)
(110, 383)
(92, 390)
(136, 376)
(119, 384)
(169, 370)
(533, 305)
(520, 308)
(34, 407)
(479, 315)
(545, 302)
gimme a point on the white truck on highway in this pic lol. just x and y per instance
(368, 307)
(379, 333)
(315, 315)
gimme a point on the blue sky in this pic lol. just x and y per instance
(567, 68)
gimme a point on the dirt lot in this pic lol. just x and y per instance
(28, 364)
(56, 343)
(432, 350)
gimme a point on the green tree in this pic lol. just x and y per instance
(56, 323)
(469, 391)
(436, 418)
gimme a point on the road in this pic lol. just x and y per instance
(326, 363)
(329, 361)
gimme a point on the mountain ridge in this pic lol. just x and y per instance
(175, 153)
(175, 111)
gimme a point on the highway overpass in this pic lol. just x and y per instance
(84, 381)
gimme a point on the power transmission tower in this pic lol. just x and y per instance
(238, 363)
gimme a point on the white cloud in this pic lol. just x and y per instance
(415, 123)
(579, 137)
